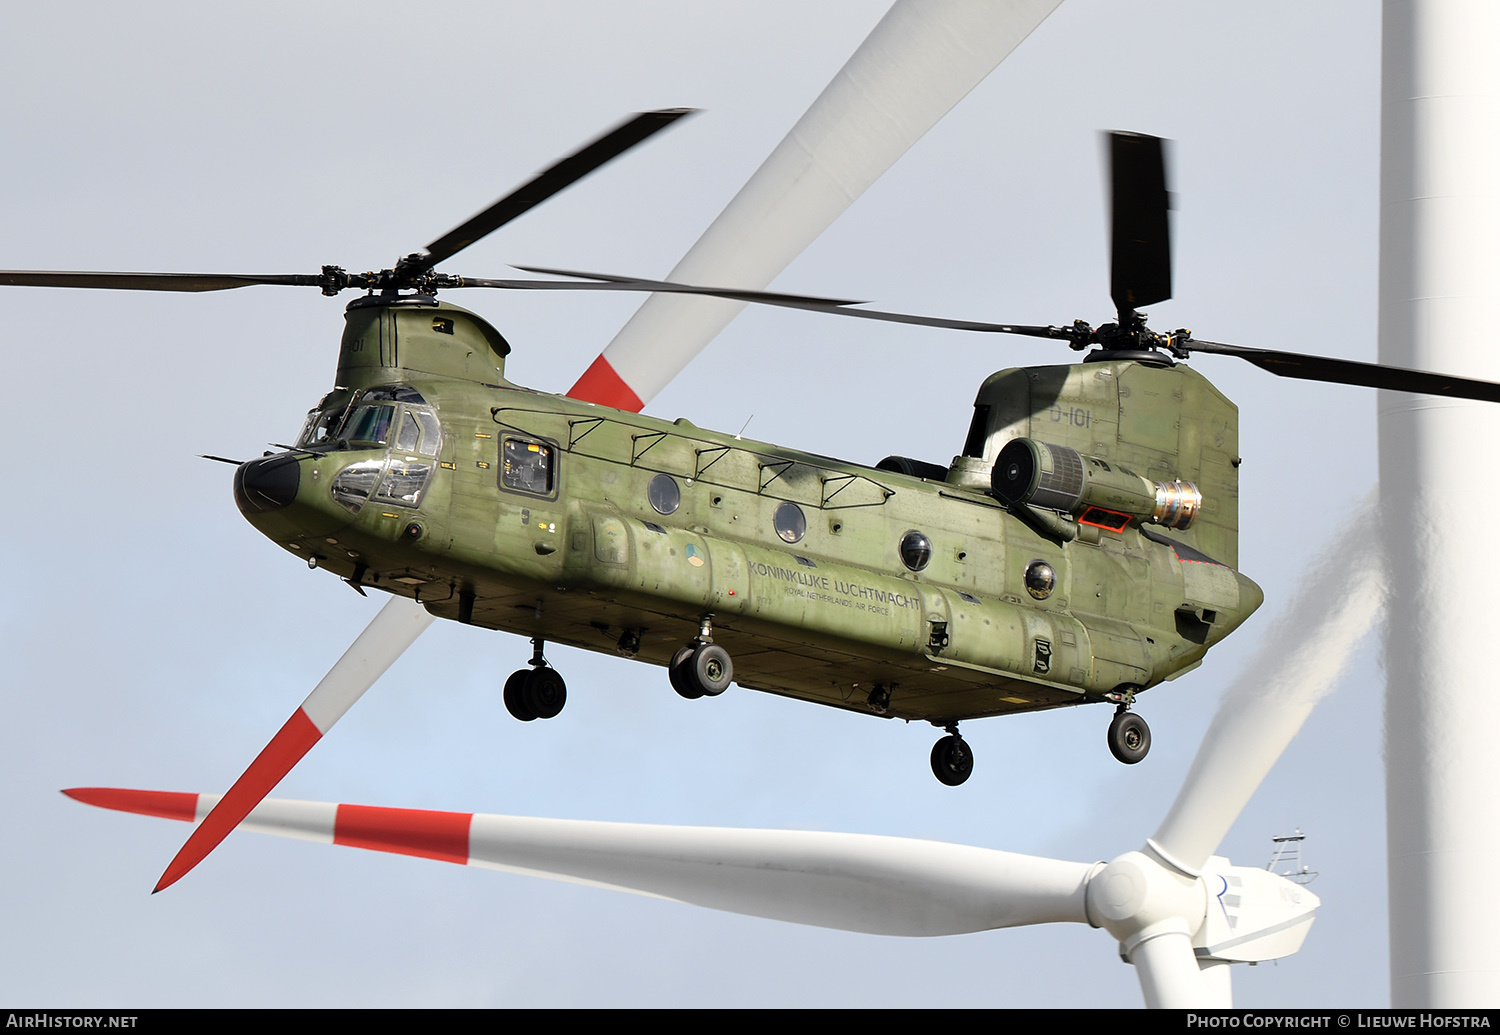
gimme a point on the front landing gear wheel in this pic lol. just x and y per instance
(952, 760)
(1129, 737)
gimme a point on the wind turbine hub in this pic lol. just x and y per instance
(1135, 898)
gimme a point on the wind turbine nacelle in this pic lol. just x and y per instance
(1253, 914)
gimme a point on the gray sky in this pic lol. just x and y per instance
(154, 639)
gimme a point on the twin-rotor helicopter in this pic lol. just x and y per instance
(1082, 547)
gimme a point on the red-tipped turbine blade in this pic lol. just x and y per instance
(164, 804)
(920, 61)
(384, 640)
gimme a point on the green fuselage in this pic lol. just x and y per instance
(428, 475)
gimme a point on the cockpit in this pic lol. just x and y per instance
(393, 418)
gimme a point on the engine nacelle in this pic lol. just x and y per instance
(1093, 490)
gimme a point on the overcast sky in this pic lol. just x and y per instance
(154, 639)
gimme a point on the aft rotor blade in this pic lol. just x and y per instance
(384, 640)
(152, 281)
(1350, 372)
(1300, 662)
(609, 281)
(812, 303)
(921, 59)
(1140, 244)
(549, 182)
(850, 882)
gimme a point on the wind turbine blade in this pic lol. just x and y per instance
(1170, 979)
(1263, 709)
(851, 882)
(921, 60)
(384, 640)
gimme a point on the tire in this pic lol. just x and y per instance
(544, 692)
(679, 675)
(952, 760)
(1129, 737)
(515, 701)
(711, 670)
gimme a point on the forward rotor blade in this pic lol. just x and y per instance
(850, 882)
(921, 59)
(384, 640)
(1350, 372)
(1140, 246)
(549, 182)
(1263, 709)
(152, 281)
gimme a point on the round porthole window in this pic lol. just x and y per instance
(664, 494)
(791, 525)
(1040, 579)
(916, 550)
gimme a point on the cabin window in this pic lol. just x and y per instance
(664, 494)
(916, 550)
(527, 466)
(1040, 579)
(790, 522)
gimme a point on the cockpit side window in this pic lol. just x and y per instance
(406, 438)
(432, 432)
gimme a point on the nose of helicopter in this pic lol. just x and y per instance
(267, 484)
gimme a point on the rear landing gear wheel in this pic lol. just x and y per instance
(515, 702)
(537, 692)
(544, 692)
(711, 669)
(952, 760)
(701, 670)
(1129, 737)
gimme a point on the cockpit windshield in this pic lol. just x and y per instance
(375, 419)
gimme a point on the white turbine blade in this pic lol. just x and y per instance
(851, 882)
(1170, 978)
(921, 60)
(1299, 663)
(384, 640)
(1218, 983)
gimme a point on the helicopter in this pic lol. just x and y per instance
(1082, 547)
